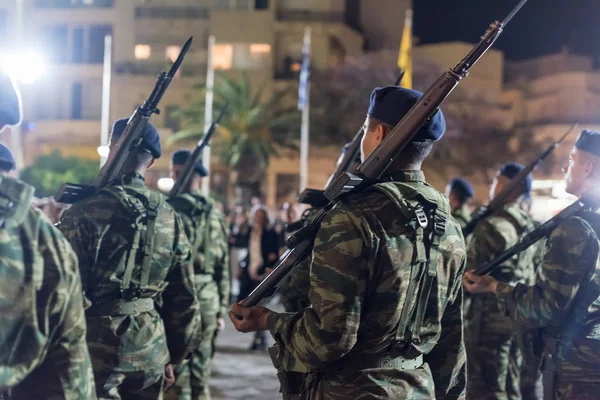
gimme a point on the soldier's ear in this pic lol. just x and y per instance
(151, 163)
(380, 132)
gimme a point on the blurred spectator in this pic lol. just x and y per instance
(238, 241)
(262, 255)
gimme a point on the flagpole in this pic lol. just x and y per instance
(208, 110)
(106, 79)
(304, 105)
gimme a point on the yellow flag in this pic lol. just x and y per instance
(405, 56)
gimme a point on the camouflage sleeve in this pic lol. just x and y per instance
(219, 237)
(79, 231)
(181, 311)
(448, 358)
(68, 355)
(491, 236)
(327, 331)
(569, 264)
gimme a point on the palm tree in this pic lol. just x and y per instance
(250, 133)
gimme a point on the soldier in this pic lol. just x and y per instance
(380, 325)
(491, 341)
(565, 299)
(136, 270)
(42, 334)
(460, 192)
(208, 234)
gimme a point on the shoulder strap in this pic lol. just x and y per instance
(15, 200)
(428, 213)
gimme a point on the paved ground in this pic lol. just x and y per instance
(239, 373)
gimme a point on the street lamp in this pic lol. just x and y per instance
(25, 67)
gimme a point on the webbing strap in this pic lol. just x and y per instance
(432, 263)
(152, 212)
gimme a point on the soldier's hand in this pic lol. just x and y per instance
(220, 324)
(249, 319)
(479, 284)
(169, 376)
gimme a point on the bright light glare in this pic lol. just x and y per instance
(165, 184)
(25, 67)
(103, 151)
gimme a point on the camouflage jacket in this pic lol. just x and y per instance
(462, 215)
(565, 299)
(362, 264)
(491, 237)
(294, 288)
(208, 234)
(42, 334)
(100, 231)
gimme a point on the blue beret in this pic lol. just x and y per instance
(180, 157)
(463, 186)
(7, 161)
(589, 141)
(10, 101)
(512, 169)
(390, 104)
(150, 138)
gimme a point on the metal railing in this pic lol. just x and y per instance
(171, 12)
(311, 16)
(74, 3)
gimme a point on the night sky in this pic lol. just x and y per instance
(542, 27)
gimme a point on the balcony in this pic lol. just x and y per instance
(171, 12)
(153, 68)
(74, 3)
(331, 17)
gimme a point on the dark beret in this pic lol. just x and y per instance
(512, 169)
(150, 138)
(10, 101)
(180, 158)
(390, 104)
(589, 141)
(7, 161)
(463, 187)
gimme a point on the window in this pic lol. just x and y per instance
(172, 52)
(241, 56)
(222, 56)
(96, 43)
(76, 97)
(77, 52)
(221, 4)
(74, 3)
(261, 4)
(143, 51)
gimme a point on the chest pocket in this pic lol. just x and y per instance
(428, 212)
(143, 211)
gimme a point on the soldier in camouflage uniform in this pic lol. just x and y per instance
(380, 324)
(460, 192)
(207, 231)
(493, 353)
(42, 330)
(136, 270)
(565, 298)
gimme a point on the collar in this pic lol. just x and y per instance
(405, 175)
(129, 179)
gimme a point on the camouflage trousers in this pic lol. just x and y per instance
(493, 360)
(192, 376)
(140, 385)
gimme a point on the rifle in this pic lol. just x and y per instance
(129, 141)
(499, 201)
(301, 242)
(188, 169)
(586, 201)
